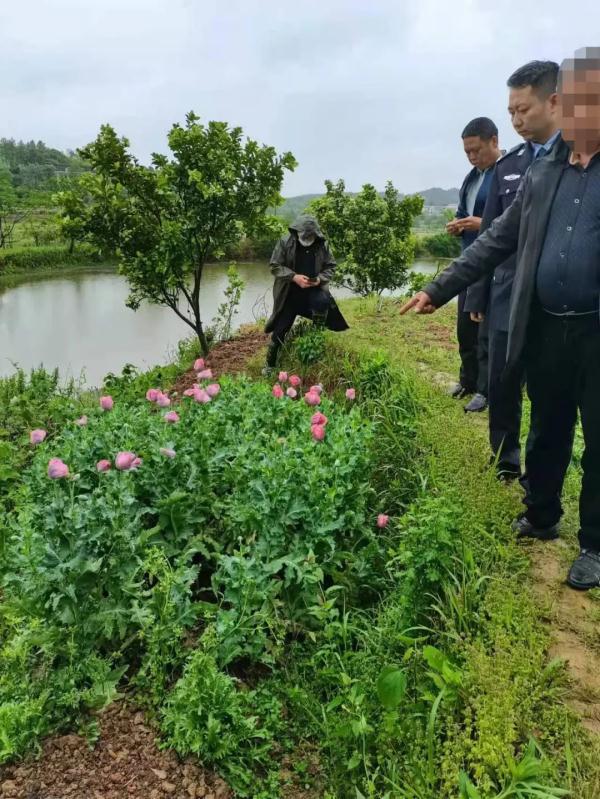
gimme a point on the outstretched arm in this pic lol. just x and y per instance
(486, 253)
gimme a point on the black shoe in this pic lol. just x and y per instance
(505, 475)
(477, 404)
(459, 391)
(585, 571)
(525, 529)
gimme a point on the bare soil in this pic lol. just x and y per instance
(228, 357)
(125, 762)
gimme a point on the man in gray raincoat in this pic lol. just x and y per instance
(302, 265)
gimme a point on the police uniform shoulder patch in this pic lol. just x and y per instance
(518, 149)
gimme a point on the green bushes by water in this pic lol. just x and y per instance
(46, 258)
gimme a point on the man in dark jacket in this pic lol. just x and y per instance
(302, 265)
(532, 107)
(553, 225)
(480, 142)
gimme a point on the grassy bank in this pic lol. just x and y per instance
(487, 611)
(46, 259)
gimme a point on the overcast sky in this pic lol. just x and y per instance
(367, 90)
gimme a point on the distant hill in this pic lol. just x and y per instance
(293, 206)
(438, 196)
(32, 164)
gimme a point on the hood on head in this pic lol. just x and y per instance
(306, 226)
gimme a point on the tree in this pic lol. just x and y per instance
(441, 245)
(10, 214)
(370, 234)
(163, 221)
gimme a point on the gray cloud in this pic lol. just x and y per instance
(364, 91)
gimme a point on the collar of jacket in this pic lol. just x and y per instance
(559, 153)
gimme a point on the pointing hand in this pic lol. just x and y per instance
(421, 303)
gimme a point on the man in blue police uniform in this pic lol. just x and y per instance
(480, 142)
(532, 107)
(553, 225)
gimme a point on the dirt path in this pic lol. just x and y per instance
(573, 621)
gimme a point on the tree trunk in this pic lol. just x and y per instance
(202, 339)
(194, 301)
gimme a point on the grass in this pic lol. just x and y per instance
(485, 614)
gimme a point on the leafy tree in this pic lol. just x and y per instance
(10, 214)
(370, 234)
(164, 221)
(441, 245)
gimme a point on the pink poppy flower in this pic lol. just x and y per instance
(57, 469)
(103, 466)
(189, 392)
(37, 436)
(171, 416)
(162, 400)
(199, 364)
(311, 398)
(82, 421)
(292, 393)
(213, 389)
(152, 394)
(168, 453)
(295, 381)
(382, 520)
(106, 403)
(319, 418)
(126, 461)
(205, 374)
(350, 393)
(282, 377)
(201, 396)
(318, 432)
(277, 391)
(318, 389)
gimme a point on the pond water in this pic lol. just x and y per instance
(78, 321)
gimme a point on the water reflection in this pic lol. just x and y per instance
(78, 321)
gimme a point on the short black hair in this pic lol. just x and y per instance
(482, 127)
(585, 58)
(542, 76)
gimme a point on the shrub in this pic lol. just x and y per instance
(207, 715)
(46, 257)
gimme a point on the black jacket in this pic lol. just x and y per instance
(520, 229)
(491, 294)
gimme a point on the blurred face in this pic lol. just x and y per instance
(481, 153)
(532, 116)
(579, 109)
